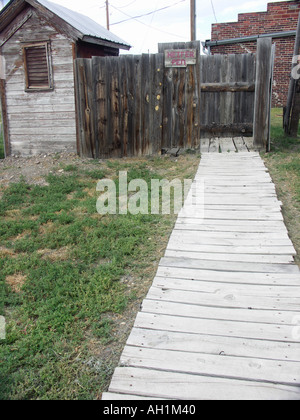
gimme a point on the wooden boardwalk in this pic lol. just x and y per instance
(226, 145)
(220, 320)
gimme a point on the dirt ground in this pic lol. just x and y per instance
(35, 168)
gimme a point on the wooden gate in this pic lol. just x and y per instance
(135, 105)
(227, 95)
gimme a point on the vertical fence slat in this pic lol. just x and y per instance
(262, 93)
(157, 94)
(85, 107)
(145, 103)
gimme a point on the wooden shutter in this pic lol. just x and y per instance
(37, 67)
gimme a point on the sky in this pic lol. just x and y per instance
(172, 24)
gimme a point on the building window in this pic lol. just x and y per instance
(38, 69)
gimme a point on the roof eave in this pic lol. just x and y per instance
(9, 12)
(105, 43)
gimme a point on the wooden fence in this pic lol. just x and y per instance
(134, 105)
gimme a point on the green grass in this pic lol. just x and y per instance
(61, 271)
(280, 142)
(285, 154)
(284, 165)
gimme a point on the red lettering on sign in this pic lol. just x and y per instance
(178, 62)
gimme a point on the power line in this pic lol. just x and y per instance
(213, 8)
(129, 4)
(147, 34)
(145, 14)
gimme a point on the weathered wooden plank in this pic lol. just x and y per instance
(228, 87)
(210, 344)
(206, 169)
(262, 237)
(84, 97)
(204, 145)
(248, 157)
(262, 93)
(260, 250)
(111, 396)
(229, 277)
(145, 104)
(205, 227)
(219, 327)
(26, 119)
(190, 211)
(239, 144)
(157, 102)
(145, 382)
(100, 106)
(286, 373)
(229, 266)
(245, 200)
(57, 129)
(214, 145)
(227, 145)
(171, 284)
(4, 118)
(114, 111)
(52, 108)
(42, 138)
(267, 316)
(137, 95)
(231, 240)
(229, 299)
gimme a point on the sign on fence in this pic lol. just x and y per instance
(180, 58)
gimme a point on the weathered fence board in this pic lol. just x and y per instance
(135, 105)
(263, 93)
(119, 105)
(227, 94)
(84, 103)
(181, 125)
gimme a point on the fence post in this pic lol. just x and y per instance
(262, 101)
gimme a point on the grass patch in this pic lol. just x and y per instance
(71, 280)
(284, 165)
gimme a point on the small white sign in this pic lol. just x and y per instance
(180, 58)
(2, 328)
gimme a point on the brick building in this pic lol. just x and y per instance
(279, 21)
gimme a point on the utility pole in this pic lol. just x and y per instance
(193, 20)
(107, 14)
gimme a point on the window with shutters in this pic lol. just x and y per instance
(38, 74)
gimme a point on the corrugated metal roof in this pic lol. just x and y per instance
(82, 23)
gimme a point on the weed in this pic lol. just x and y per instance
(59, 309)
(284, 165)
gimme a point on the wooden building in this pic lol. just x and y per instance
(39, 41)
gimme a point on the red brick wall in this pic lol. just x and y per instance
(279, 17)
